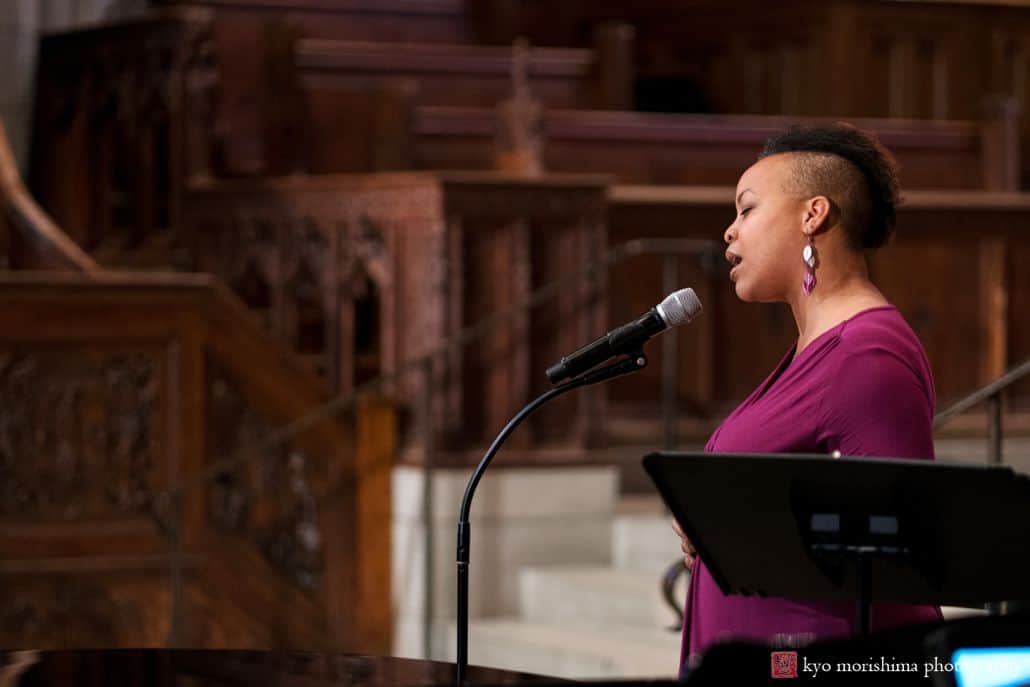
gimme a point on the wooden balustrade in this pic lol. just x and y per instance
(415, 258)
(119, 386)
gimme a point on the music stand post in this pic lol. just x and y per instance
(827, 538)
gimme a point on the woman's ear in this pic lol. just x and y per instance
(820, 215)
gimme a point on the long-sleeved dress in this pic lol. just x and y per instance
(863, 388)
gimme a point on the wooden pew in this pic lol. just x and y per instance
(345, 106)
(415, 258)
(350, 95)
(648, 148)
(954, 270)
(848, 58)
(471, 75)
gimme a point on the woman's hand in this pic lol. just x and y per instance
(689, 554)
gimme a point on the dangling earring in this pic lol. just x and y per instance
(811, 261)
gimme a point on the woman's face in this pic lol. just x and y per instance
(765, 241)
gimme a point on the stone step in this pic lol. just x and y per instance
(598, 595)
(642, 536)
(575, 651)
(1015, 451)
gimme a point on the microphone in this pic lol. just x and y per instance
(678, 308)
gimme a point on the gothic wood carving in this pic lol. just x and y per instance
(269, 498)
(79, 432)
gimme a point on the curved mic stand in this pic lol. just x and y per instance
(634, 362)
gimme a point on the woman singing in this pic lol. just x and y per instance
(857, 381)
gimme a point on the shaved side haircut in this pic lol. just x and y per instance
(850, 168)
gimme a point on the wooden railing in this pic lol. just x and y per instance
(142, 410)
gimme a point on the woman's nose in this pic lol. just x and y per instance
(729, 234)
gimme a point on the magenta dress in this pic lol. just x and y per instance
(863, 388)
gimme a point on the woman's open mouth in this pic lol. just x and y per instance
(734, 261)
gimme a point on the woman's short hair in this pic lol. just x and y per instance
(853, 169)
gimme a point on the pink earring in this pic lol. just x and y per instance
(811, 260)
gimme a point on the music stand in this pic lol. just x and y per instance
(816, 528)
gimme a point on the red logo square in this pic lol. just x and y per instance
(784, 664)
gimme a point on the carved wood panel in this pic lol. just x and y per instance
(438, 253)
(307, 265)
(268, 497)
(73, 611)
(81, 432)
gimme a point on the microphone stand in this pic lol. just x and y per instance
(634, 362)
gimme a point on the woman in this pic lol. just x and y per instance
(857, 381)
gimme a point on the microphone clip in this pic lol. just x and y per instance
(631, 363)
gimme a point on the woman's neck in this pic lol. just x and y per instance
(831, 302)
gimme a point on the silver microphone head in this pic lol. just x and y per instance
(679, 307)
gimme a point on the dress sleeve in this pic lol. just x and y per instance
(877, 405)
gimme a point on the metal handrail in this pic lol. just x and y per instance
(709, 251)
(992, 394)
(983, 394)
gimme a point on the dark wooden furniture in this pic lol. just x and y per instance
(345, 106)
(838, 58)
(461, 74)
(241, 31)
(647, 148)
(412, 259)
(116, 387)
(122, 119)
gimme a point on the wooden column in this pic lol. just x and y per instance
(993, 308)
(1001, 143)
(614, 76)
(593, 242)
(374, 459)
(520, 289)
(454, 390)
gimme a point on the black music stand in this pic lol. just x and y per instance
(816, 528)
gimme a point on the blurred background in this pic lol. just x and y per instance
(274, 273)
